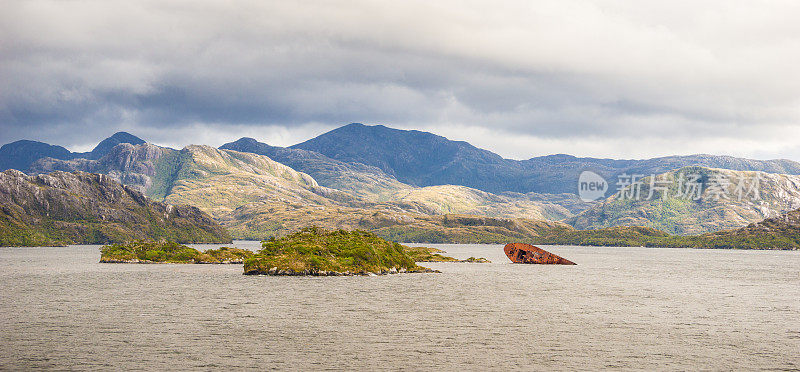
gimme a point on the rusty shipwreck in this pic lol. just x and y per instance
(526, 253)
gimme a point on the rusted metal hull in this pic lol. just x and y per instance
(526, 253)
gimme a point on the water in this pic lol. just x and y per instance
(620, 308)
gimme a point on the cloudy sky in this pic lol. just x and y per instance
(622, 79)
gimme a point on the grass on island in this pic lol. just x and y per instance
(476, 260)
(169, 252)
(427, 254)
(317, 251)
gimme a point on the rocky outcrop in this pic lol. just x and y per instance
(85, 208)
(132, 165)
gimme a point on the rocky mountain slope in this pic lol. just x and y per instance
(169, 174)
(215, 180)
(370, 184)
(782, 232)
(226, 183)
(84, 208)
(133, 165)
(447, 199)
(219, 181)
(358, 179)
(256, 221)
(732, 203)
(21, 154)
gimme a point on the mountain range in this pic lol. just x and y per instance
(407, 182)
(425, 159)
(224, 182)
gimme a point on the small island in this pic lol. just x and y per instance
(428, 254)
(170, 252)
(318, 252)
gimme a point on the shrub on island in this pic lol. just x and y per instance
(319, 252)
(169, 252)
(428, 254)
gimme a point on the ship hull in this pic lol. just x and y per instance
(528, 254)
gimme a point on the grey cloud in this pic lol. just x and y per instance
(550, 72)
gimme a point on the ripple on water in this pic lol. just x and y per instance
(619, 308)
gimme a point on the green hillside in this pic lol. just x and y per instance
(84, 208)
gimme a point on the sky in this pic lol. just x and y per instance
(618, 79)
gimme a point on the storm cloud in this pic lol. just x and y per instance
(521, 78)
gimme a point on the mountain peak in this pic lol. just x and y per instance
(123, 137)
(248, 144)
(246, 140)
(412, 156)
(107, 144)
(377, 128)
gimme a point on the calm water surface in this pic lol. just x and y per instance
(620, 308)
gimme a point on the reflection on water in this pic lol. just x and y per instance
(619, 308)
